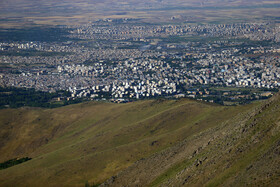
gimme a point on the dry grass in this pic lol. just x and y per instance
(93, 141)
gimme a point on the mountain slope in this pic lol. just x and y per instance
(93, 141)
(245, 150)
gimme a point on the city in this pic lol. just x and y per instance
(121, 61)
(150, 93)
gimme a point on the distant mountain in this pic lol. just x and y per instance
(112, 4)
(152, 142)
(22, 13)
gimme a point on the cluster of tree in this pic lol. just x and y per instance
(13, 162)
(43, 34)
(30, 52)
(18, 97)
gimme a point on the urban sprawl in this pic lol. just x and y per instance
(120, 59)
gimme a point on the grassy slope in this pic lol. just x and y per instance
(93, 141)
(243, 150)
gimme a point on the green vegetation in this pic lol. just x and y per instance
(87, 184)
(182, 141)
(27, 53)
(42, 34)
(18, 97)
(93, 141)
(232, 95)
(171, 172)
(13, 162)
(242, 151)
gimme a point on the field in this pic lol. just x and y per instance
(27, 13)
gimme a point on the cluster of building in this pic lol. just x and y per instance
(229, 69)
(141, 78)
(254, 31)
(155, 67)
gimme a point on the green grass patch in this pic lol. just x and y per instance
(13, 162)
(171, 172)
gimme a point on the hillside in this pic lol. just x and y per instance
(242, 151)
(94, 141)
